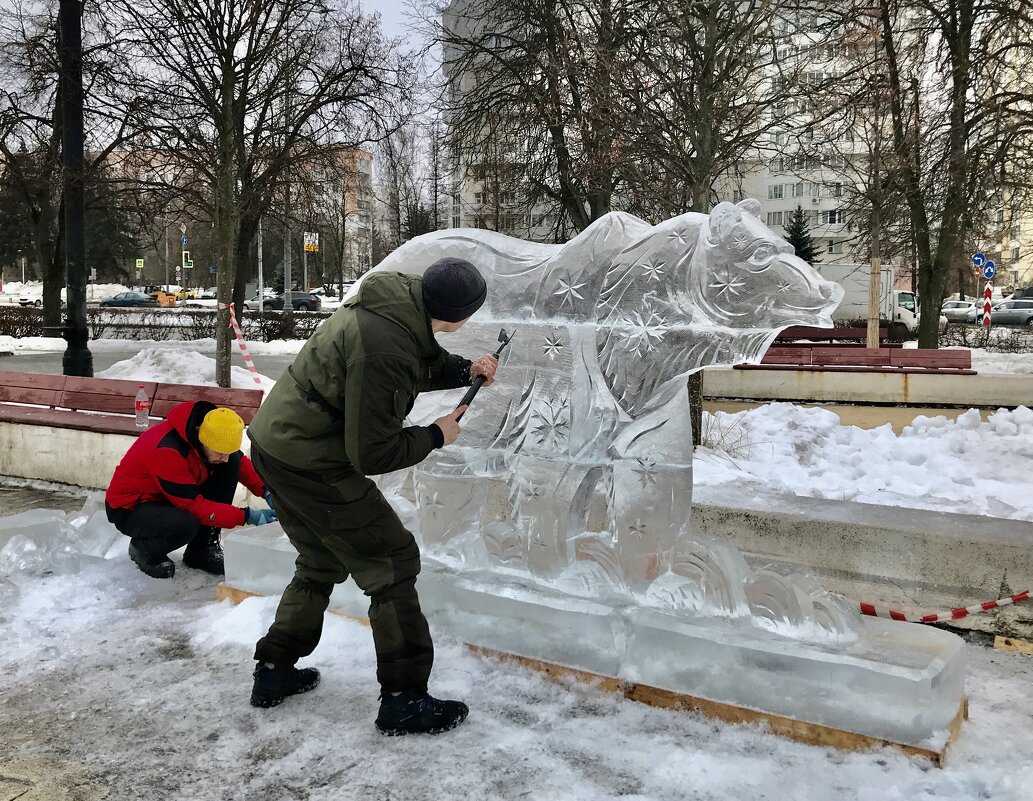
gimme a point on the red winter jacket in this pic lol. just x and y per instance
(165, 464)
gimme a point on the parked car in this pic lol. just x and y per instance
(211, 293)
(30, 300)
(956, 311)
(1004, 312)
(186, 294)
(266, 303)
(300, 301)
(130, 299)
(1013, 312)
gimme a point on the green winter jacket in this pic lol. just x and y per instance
(340, 406)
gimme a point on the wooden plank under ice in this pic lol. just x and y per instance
(1013, 645)
(224, 592)
(790, 728)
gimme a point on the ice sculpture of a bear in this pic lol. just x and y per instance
(575, 468)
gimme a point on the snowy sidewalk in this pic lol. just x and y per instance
(141, 687)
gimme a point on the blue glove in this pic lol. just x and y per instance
(259, 517)
(268, 498)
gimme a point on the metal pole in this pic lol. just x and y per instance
(304, 269)
(261, 283)
(23, 270)
(77, 357)
(166, 254)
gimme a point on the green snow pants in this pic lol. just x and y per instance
(343, 527)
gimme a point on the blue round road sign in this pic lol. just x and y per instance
(989, 270)
(978, 259)
(183, 240)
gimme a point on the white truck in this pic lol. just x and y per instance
(897, 307)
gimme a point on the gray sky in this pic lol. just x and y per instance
(395, 15)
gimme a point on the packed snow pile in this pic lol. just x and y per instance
(965, 465)
(174, 366)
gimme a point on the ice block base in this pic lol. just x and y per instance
(901, 684)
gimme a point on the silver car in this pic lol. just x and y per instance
(1013, 312)
(956, 311)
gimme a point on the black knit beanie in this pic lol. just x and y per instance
(453, 290)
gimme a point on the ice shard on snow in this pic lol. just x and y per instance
(558, 527)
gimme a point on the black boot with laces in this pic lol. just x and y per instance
(416, 712)
(205, 552)
(272, 685)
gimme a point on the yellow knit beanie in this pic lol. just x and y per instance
(222, 430)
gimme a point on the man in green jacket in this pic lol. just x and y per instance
(334, 418)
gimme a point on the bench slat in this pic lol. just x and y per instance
(851, 356)
(41, 397)
(933, 358)
(65, 418)
(244, 402)
(32, 380)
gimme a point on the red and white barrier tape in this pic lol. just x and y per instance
(953, 614)
(243, 345)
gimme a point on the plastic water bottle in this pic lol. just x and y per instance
(143, 408)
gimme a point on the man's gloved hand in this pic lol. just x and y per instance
(268, 498)
(259, 517)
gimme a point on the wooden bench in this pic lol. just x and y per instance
(105, 405)
(864, 359)
(815, 334)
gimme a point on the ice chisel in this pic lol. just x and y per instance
(504, 338)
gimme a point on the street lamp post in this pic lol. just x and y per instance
(77, 357)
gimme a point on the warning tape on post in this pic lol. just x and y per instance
(242, 344)
(953, 614)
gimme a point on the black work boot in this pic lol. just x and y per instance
(272, 685)
(204, 552)
(154, 566)
(416, 712)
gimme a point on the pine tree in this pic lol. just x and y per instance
(799, 236)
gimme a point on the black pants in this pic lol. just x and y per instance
(345, 528)
(160, 528)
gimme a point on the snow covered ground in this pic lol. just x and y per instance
(109, 679)
(141, 686)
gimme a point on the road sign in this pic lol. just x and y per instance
(978, 259)
(139, 265)
(212, 269)
(988, 294)
(183, 240)
(311, 242)
(989, 270)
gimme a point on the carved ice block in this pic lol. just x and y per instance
(558, 526)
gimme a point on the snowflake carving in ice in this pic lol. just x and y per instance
(433, 504)
(642, 331)
(532, 491)
(551, 423)
(727, 283)
(654, 270)
(784, 286)
(553, 346)
(646, 473)
(678, 237)
(637, 529)
(569, 290)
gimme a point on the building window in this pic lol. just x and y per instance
(457, 222)
(835, 247)
(1015, 254)
(774, 218)
(833, 217)
(738, 196)
(837, 190)
(798, 188)
(776, 192)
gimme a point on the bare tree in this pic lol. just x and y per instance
(248, 94)
(30, 124)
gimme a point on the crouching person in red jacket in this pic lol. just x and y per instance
(175, 487)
